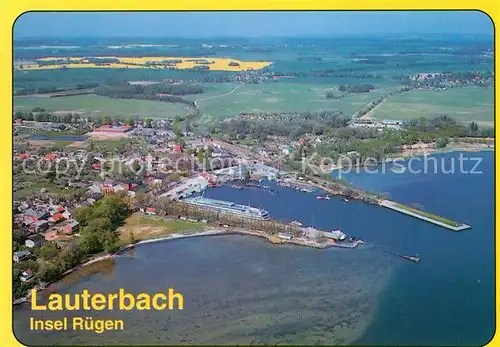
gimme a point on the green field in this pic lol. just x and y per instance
(152, 227)
(428, 215)
(99, 106)
(463, 104)
(282, 96)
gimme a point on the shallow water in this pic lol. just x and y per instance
(237, 289)
(241, 289)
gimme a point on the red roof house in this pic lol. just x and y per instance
(150, 210)
(57, 217)
(50, 156)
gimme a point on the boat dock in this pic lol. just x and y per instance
(426, 216)
(413, 258)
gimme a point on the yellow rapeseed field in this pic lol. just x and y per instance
(216, 64)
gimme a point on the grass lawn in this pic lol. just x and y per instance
(34, 190)
(109, 144)
(99, 106)
(463, 104)
(282, 96)
(152, 227)
(429, 215)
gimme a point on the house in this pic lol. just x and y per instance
(150, 211)
(50, 156)
(199, 144)
(34, 240)
(392, 124)
(27, 275)
(56, 218)
(287, 150)
(95, 188)
(217, 153)
(23, 206)
(34, 215)
(70, 227)
(21, 255)
(40, 225)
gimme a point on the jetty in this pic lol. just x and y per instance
(415, 259)
(426, 216)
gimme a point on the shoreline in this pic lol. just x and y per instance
(451, 149)
(426, 152)
(210, 231)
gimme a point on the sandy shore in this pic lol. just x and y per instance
(454, 147)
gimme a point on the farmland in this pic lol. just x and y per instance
(463, 104)
(290, 75)
(285, 96)
(99, 106)
(216, 64)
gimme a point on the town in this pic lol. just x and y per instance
(69, 169)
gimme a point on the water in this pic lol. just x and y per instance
(72, 138)
(241, 289)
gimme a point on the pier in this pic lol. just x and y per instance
(426, 216)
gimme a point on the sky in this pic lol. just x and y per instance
(248, 24)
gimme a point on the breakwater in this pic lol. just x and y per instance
(428, 217)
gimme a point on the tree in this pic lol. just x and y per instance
(201, 155)
(106, 120)
(69, 257)
(180, 141)
(442, 142)
(89, 243)
(83, 215)
(48, 272)
(130, 121)
(48, 251)
(246, 175)
(176, 129)
(109, 240)
(329, 94)
(131, 237)
(174, 176)
(148, 123)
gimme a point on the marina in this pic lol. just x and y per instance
(296, 187)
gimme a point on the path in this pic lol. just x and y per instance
(216, 96)
(369, 114)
